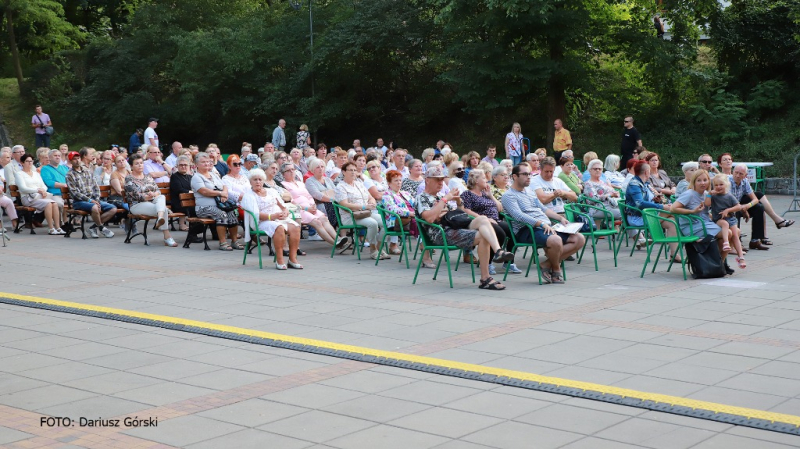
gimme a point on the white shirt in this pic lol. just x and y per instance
(548, 187)
(149, 133)
(172, 160)
(403, 171)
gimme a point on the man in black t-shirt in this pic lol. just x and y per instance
(631, 139)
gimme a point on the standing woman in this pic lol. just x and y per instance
(352, 194)
(34, 194)
(207, 186)
(513, 144)
(145, 198)
(303, 137)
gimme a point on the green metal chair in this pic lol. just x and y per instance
(535, 250)
(390, 232)
(653, 219)
(626, 225)
(353, 227)
(255, 234)
(572, 211)
(445, 249)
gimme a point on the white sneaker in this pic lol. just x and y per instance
(93, 233)
(122, 226)
(107, 232)
(314, 238)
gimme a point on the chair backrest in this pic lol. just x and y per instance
(653, 224)
(187, 201)
(13, 190)
(165, 191)
(623, 211)
(423, 233)
(569, 212)
(510, 221)
(105, 192)
(66, 197)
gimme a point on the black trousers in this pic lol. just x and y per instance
(757, 217)
(502, 231)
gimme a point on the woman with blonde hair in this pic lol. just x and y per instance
(514, 144)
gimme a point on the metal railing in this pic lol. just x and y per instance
(795, 204)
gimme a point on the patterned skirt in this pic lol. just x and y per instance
(221, 217)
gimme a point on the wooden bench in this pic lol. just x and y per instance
(173, 216)
(187, 202)
(164, 189)
(72, 213)
(25, 212)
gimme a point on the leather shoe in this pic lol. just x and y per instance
(756, 244)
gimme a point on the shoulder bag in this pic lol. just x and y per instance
(227, 205)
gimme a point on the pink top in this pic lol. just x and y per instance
(302, 199)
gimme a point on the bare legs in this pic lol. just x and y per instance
(486, 231)
(324, 229)
(279, 240)
(52, 215)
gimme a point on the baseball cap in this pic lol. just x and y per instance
(152, 119)
(252, 158)
(72, 155)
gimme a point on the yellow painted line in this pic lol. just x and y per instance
(431, 361)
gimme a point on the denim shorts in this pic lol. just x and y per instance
(86, 206)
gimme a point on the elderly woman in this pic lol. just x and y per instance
(42, 158)
(353, 195)
(478, 201)
(455, 180)
(533, 161)
(612, 174)
(597, 189)
(321, 188)
(658, 177)
(145, 198)
(181, 182)
(280, 159)
(236, 182)
(273, 218)
(102, 174)
(303, 137)
(33, 192)
(693, 201)
(415, 177)
(427, 157)
(688, 171)
(432, 206)
(375, 184)
(400, 202)
(499, 182)
(570, 175)
(309, 214)
(207, 186)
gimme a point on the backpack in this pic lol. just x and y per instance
(705, 260)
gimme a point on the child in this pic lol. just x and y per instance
(723, 208)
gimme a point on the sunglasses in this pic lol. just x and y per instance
(237, 164)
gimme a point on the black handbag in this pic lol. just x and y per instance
(456, 219)
(227, 205)
(705, 260)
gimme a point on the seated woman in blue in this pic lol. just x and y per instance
(693, 201)
(640, 195)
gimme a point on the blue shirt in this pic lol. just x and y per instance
(134, 143)
(638, 195)
(51, 175)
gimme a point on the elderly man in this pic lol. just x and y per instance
(279, 136)
(706, 162)
(550, 190)
(54, 174)
(756, 206)
(13, 165)
(250, 161)
(399, 162)
(85, 195)
(155, 166)
(5, 159)
(172, 159)
(562, 140)
(526, 208)
(246, 151)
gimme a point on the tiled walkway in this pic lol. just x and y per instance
(733, 341)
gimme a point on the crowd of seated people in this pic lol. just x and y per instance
(286, 191)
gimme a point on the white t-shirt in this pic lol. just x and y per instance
(548, 187)
(149, 133)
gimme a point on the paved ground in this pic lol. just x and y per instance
(734, 341)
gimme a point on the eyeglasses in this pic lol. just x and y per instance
(597, 168)
(524, 174)
(183, 165)
(628, 121)
(351, 170)
(374, 166)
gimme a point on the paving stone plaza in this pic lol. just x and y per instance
(732, 341)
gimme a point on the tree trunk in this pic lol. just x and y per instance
(556, 97)
(12, 44)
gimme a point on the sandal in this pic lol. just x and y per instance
(160, 222)
(225, 247)
(547, 275)
(430, 265)
(300, 252)
(183, 228)
(279, 266)
(295, 266)
(237, 245)
(767, 242)
(784, 224)
(490, 284)
(742, 263)
(503, 256)
(395, 251)
(557, 277)
(726, 246)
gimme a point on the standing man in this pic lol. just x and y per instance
(279, 136)
(631, 139)
(526, 208)
(135, 142)
(39, 122)
(155, 166)
(86, 195)
(150, 136)
(172, 159)
(562, 140)
(381, 147)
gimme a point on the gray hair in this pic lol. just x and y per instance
(530, 156)
(739, 165)
(474, 175)
(411, 163)
(17, 147)
(594, 162)
(428, 152)
(286, 165)
(51, 152)
(549, 161)
(42, 150)
(690, 166)
(183, 159)
(197, 156)
(500, 169)
(256, 173)
(314, 163)
(505, 162)
(612, 162)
